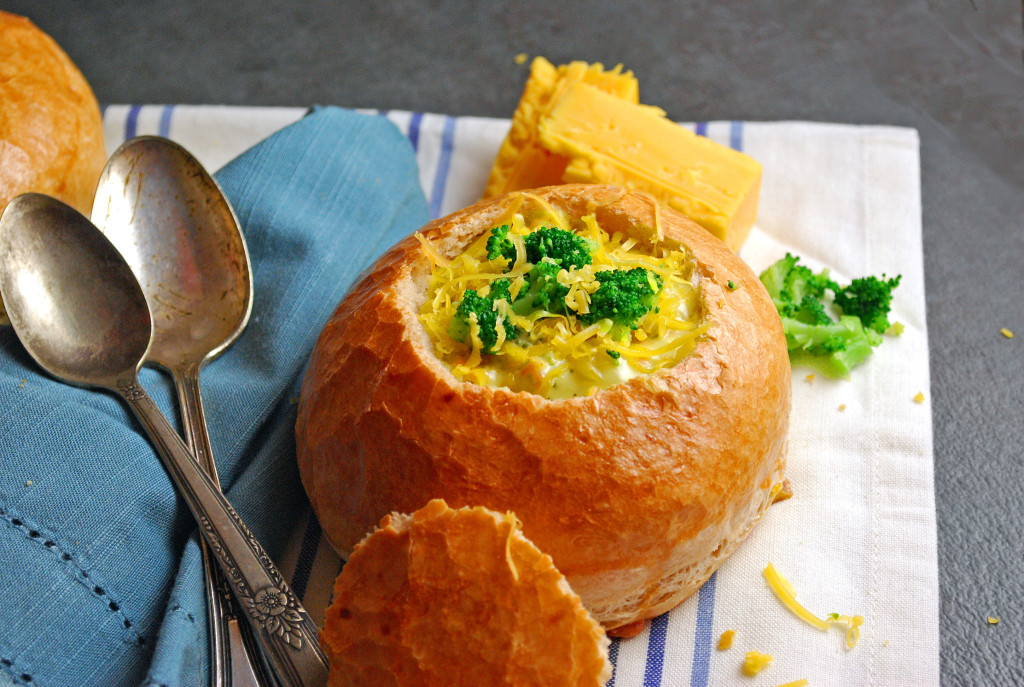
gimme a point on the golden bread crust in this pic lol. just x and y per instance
(51, 131)
(638, 492)
(458, 597)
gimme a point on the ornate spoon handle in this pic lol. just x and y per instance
(231, 665)
(281, 626)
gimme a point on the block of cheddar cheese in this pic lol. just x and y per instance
(522, 162)
(579, 124)
(610, 141)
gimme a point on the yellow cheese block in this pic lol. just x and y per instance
(610, 140)
(522, 162)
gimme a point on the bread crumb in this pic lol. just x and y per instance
(809, 379)
(1006, 332)
(28, 483)
(521, 58)
(754, 662)
(993, 620)
(919, 398)
(802, 682)
(842, 407)
(725, 641)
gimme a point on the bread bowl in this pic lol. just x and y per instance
(638, 489)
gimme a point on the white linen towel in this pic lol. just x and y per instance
(858, 536)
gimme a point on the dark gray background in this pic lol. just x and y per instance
(954, 70)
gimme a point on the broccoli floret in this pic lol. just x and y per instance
(569, 250)
(774, 278)
(473, 303)
(499, 290)
(624, 297)
(831, 349)
(810, 311)
(868, 298)
(499, 245)
(566, 249)
(813, 337)
(788, 282)
(543, 292)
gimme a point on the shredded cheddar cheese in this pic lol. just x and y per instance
(511, 522)
(436, 259)
(787, 595)
(556, 355)
(754, 662)
(784, 590)
(852, 623)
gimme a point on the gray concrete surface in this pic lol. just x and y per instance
(952, 69)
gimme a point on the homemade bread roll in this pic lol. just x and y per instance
(638, 491)
(51, 132)
(458, 598)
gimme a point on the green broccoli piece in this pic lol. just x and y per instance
(810, 310)
(624, 297)
(813, 337)
(543, 292)
(486, 317)
(868, 298)
(568, 250)
(788, 282)
(498, 290)
(831, 349)
(499, 245)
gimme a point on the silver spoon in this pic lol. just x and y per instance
(80, 313)
(169, 219)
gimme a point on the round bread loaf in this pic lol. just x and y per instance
(638, 491)
(51, 132)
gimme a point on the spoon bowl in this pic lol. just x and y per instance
(85, 321)
(172, 223)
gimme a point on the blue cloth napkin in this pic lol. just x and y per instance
(100, 572)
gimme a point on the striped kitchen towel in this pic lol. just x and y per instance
(859, 535)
